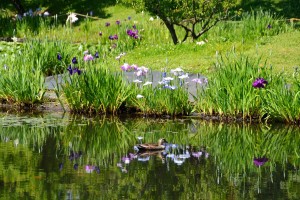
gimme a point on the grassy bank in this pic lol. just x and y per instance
(258, 41)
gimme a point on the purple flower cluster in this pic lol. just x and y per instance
(133, 33)
(126, 67)
(259, 83)
(260, 161)
(118, 22)
(90, 168)
(198, 154)
(201, 81)
(74, 70)
(113, 37)
(107, 24)
(125, 161)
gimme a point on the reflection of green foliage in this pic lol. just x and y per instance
(32, 167)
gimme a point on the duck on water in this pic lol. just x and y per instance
(161, 145)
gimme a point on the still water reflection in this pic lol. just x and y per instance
(52, 157)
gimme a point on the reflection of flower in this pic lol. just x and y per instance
(197, 154)
(126, 160)
(75, 166)
(89, 168)
(74, 155)
(260, 161)
(60, 166)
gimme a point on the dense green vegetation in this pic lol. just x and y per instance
(253, 42)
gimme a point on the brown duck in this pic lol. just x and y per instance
(153, 147)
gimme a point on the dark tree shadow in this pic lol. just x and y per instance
(284, 8)
(65, 6)
(60, 7)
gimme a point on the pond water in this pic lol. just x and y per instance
(66, 157)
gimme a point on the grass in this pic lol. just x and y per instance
(156, 45)
(264, 40)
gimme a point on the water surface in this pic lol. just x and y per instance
(65, 157)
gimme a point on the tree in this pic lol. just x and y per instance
(196, 17)
(18, 5)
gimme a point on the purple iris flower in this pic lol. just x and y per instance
(74, 60)
(129, 32)
(129, 18)
(76, 70)
(133, 33)
(259, 83)
(118, 22)
(134, 26)
(111, 37)
(59, 57)
(260, 161)
(269, 26)
(70, 69)
(115, 37)
(164, 74)
(107, 24)
(96, 55)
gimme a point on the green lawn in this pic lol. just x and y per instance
(156, 50)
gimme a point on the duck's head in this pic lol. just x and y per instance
(162, 141)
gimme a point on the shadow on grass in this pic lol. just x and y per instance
(60, 7)
(65, 6)
(285, 8)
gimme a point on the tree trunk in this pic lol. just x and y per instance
(172, 31)
(17, 4)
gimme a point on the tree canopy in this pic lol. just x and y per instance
(195, 16)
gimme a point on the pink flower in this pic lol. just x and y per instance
(126, 67)
(88, 57)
